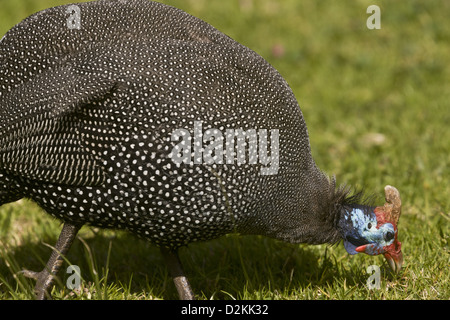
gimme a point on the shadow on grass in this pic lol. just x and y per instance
(117, 265)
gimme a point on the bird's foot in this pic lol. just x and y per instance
(44, 279)
(44, 282)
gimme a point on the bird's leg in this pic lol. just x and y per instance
(176, 271)
(45, 277)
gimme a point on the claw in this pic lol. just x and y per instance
(29, 274)
(44, 281)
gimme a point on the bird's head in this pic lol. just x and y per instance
(374, 230)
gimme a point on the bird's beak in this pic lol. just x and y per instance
(393, 257)
(395, 260)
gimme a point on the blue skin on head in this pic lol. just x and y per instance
(361, 229)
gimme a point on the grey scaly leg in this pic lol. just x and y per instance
(177, 273)
(45, 277)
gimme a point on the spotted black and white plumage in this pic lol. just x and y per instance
(86, 116)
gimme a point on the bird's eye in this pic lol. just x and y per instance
(369, 226)
(389, 236)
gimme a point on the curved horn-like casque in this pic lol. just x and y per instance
(393, 205)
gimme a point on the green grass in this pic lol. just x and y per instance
(376, 103)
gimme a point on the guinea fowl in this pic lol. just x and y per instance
(136, 115)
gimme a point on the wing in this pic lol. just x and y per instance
(39, 132)
(48, 73)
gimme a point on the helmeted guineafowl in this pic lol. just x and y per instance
(135, 115)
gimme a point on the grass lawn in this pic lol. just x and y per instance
(377, 107)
